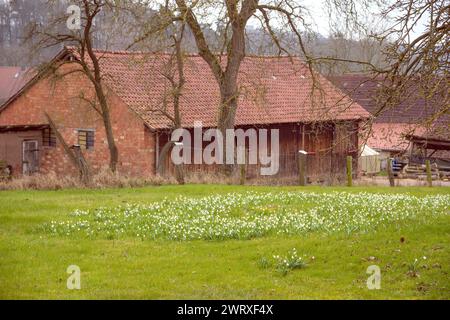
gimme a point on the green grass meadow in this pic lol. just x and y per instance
(33, 263)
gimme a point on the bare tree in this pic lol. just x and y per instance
(163, 34)
(173, 71)
(87, 59)
(417, 50)
(237, 19)
(225, 55)
(415, 71)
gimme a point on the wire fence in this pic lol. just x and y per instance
(320, 168)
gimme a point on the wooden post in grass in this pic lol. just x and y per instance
(242, 169)
(242, 174)
(349, 171)
(302, 167)
(390, 173)
(428, 168)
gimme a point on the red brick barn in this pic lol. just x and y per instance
(275, 92)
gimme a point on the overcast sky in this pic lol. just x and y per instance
(320, 19)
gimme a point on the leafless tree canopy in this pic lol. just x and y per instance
(417, 50)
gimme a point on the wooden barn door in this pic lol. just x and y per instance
(30, 156)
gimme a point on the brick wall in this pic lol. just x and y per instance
(64, 101)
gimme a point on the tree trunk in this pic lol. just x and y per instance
(226, 120)
(179, 171)
(96, 79)
(179, 174)
(113, 151)
(162, 157)
(83, 166)
(106, 117)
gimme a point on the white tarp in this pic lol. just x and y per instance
(370, 160)
(368, 151)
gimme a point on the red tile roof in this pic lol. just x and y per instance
(408, 117)
(11, 80)
(391, 136)
(273, 90)
(365, 90)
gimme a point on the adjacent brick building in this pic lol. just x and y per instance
(412, 116)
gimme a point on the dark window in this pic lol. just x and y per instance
(48, 138)
(86, 139)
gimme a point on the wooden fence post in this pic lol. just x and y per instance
(390, 173)
(242, 174)
(428, 168)
(302, 168)
(242, 165)
(349, 171)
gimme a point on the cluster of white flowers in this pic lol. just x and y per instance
(289, 262)
(252, 214)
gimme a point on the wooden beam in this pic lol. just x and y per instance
(156, 150)
(303, 137)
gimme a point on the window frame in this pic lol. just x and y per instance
(48, 138)
(89, 144)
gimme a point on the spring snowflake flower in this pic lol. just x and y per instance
(252, 214)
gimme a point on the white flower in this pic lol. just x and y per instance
(253, 214)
